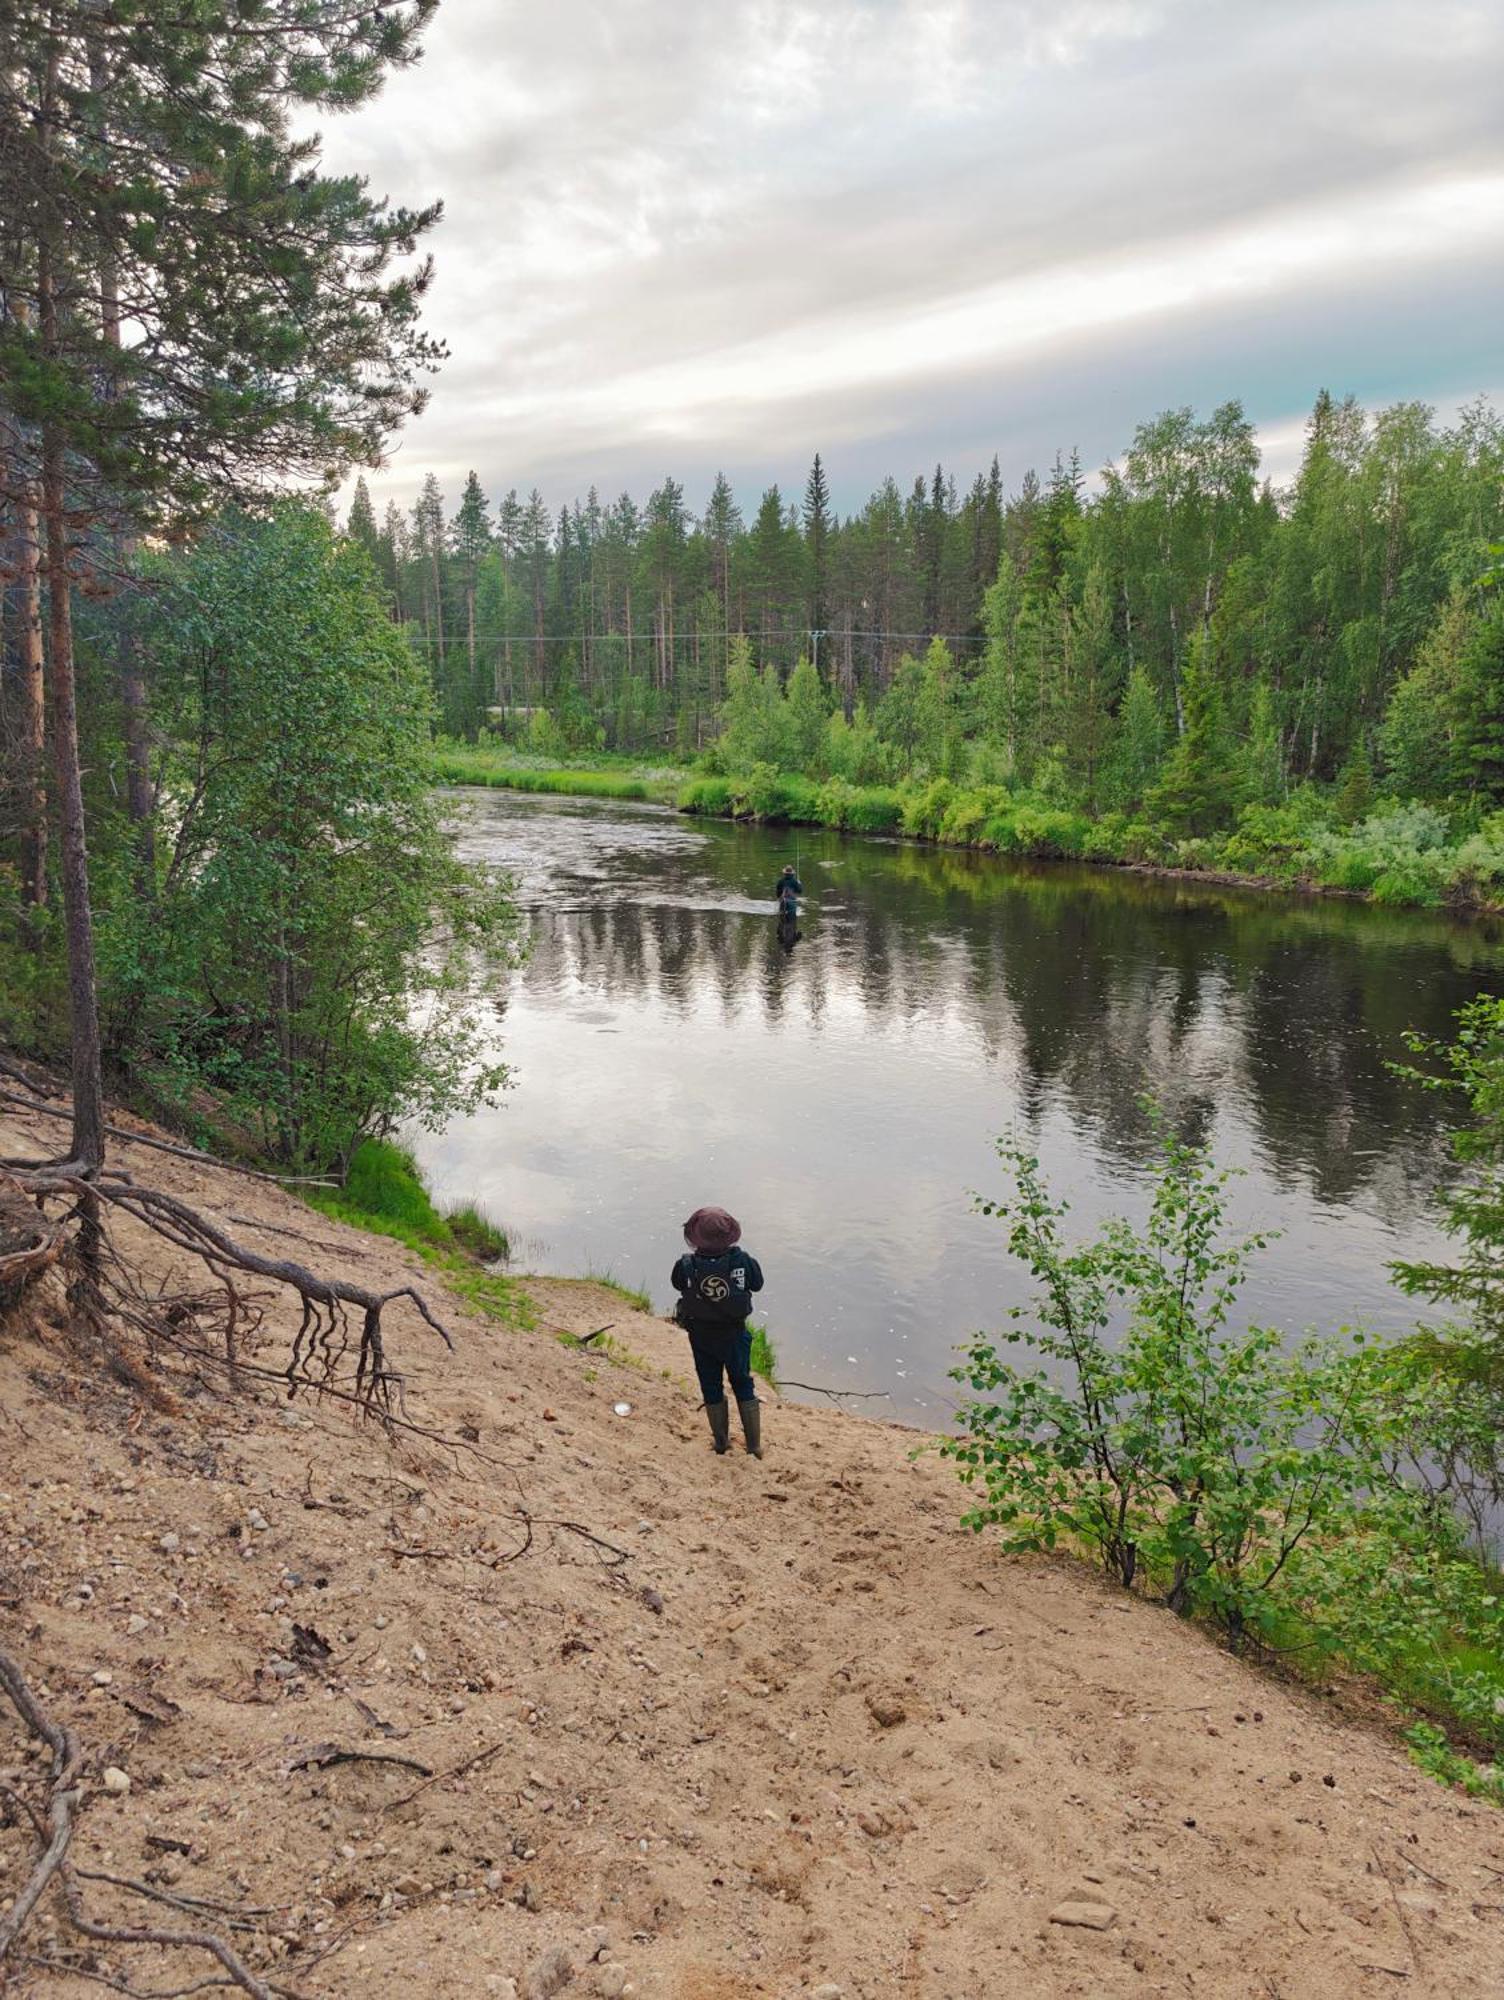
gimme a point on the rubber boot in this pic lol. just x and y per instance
(720, 1424)
(751, 1415)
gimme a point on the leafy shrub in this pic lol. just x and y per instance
(1185, 1453)
(1398, 852)
(968, 814)
(1049, 831)
(874, 809)
(1276, 839)
(924, 808)
(708, 795)
(767, 794)
(1478, 867)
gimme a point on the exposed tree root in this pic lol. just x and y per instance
(29, 1245)
(103, 1288)
(54, 1823)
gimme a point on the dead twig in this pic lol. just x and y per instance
(51, 1963)
(439, 1778)
(836, 1395)
(62, 1799)
(1399, 1908)
(323, 1755)
(239, 1920)
(1410, 1861)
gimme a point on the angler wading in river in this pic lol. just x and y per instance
(715, 1281)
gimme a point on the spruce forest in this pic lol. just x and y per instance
(1176, 654)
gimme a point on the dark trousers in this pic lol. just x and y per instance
(728, 1348)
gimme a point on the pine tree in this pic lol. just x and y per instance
(816, 548)
(361, 524)
(1264, 758)
(722, 527)
(1140, 745)
(231, 387)
(470, 537)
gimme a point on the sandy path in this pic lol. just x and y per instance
(782, 1727)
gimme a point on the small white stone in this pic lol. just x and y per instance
(169, 1544)
(135, 1625)
(116, 1781)
(103, 1678)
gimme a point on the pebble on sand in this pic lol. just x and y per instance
(1083, 1915)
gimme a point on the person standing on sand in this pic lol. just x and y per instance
(715, 1281)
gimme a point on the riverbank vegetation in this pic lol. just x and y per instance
(384, 1192)
(283, 936)
(1183, 667)
(501, 769)
(1331, 1502)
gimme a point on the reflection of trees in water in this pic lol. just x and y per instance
(1095, 987)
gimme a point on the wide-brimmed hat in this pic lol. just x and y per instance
(712, 1230)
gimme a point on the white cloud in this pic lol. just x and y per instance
(717, 232)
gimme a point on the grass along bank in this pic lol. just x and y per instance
(384, 1193)
(1393, 852)
(500, 770)
(1397, 853)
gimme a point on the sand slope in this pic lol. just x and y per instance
(778, 1728)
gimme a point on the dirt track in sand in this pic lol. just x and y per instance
(770, 1727)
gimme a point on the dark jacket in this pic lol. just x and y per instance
(787, 885)
(715, 1291)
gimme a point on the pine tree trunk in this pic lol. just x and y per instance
(140, 799)
(88, 1087)
(33, 744)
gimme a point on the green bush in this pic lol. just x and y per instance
(1300, 1496)
(710, 796)
(766, 794)
(1478, 866)
(924, 807)
(1183, 1454)
(875, 809)
(1399, 853)
(967, 815)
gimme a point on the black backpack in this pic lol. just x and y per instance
(716, 1294)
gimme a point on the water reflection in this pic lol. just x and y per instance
(675, 1043)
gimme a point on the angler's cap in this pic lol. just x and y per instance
(712, 1230)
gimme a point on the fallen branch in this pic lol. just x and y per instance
(175, 1152)
(62, 1799)
(192, 1906)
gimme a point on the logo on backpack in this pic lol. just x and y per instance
(716, 1297)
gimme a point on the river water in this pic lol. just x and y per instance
(842, 1094)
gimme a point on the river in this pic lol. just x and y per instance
(843, 1096)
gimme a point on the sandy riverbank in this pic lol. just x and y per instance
(771, 1728)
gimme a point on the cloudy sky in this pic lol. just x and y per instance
(690, 234)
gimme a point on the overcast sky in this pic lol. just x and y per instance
(690, 234)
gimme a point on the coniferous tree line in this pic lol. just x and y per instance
(1095, 645)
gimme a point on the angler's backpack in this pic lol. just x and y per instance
(716, 1294)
